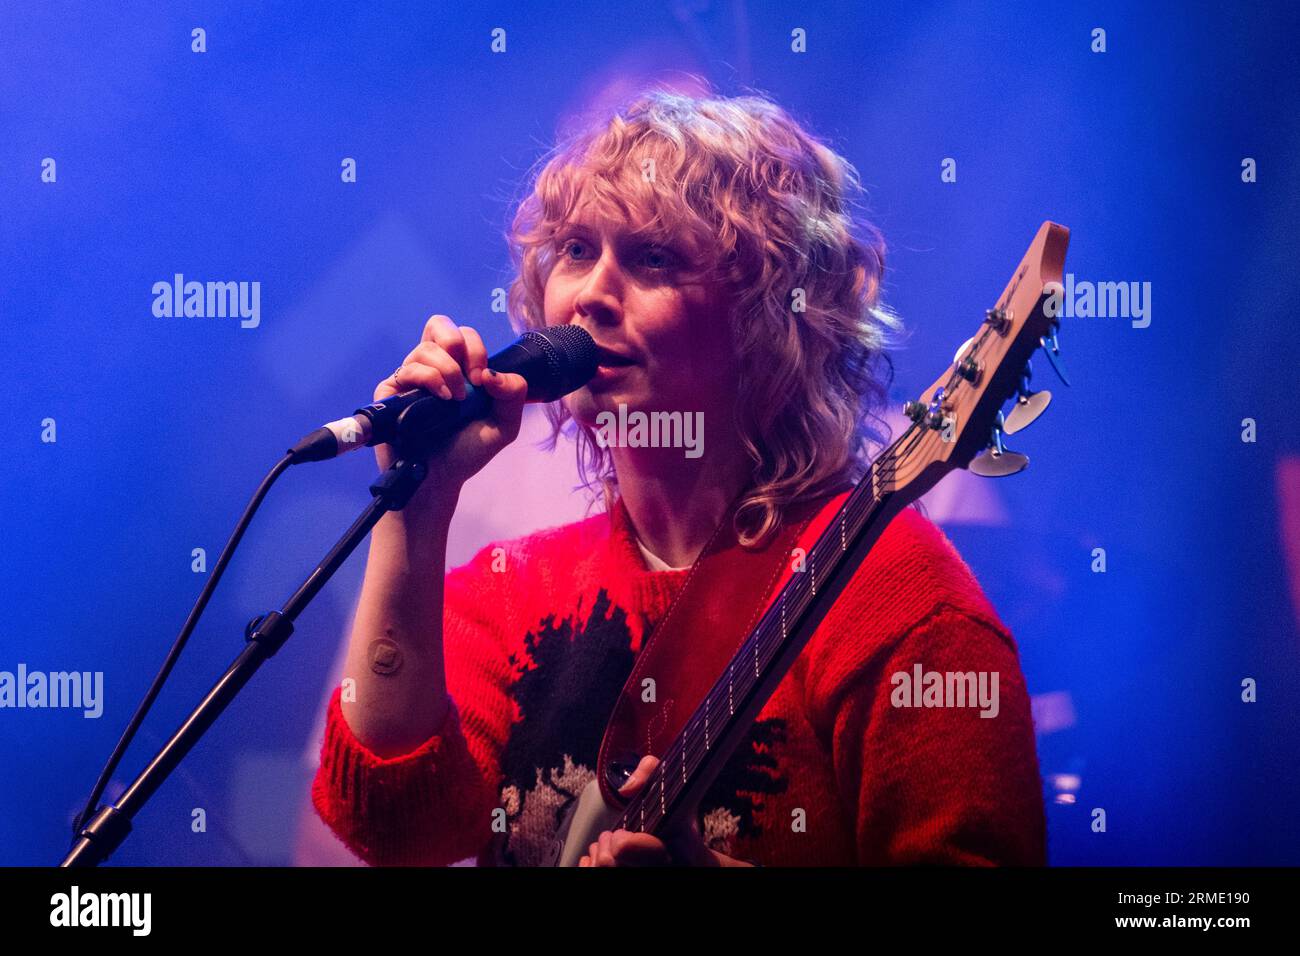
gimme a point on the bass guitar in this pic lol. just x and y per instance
(958, 422)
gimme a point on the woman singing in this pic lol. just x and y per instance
(709, 246)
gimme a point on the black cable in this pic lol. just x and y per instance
(174, 654)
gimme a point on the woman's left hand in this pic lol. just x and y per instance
(625, 848)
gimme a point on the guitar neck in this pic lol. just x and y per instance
(954, 421)
(720, 723)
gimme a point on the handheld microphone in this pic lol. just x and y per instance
(554, 361)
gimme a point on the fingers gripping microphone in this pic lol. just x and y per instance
(554, 361)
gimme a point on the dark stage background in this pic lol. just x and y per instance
(226, 165)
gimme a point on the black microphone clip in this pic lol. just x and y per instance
(555, 361)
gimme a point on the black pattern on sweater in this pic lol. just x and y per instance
(566, 688)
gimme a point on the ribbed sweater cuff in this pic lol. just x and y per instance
(413, 809)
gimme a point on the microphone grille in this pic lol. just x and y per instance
(570, 357)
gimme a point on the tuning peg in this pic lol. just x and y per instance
(1029, 404)
(1052, 347)
(997, 460)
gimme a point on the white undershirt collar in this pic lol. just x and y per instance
(653, 561)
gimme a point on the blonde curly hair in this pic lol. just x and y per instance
(776, 207)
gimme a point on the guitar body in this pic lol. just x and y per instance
(587, 818)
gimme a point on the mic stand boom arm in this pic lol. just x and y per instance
(109, 826)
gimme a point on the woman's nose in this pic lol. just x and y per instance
(601, 296)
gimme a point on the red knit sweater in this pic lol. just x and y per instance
(540, 634)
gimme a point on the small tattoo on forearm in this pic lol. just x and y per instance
(385, 657)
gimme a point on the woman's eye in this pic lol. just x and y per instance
(572, 249)
(657, 258)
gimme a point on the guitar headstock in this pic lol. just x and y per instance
(958, 421)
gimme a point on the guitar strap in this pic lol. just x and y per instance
(724, 595)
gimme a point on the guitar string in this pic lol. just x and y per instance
(690, 749)
(692, 746)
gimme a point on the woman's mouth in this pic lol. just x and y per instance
(609, 373)
(609, 359)
(610, 366)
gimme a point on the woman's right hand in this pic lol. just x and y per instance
(448, 355)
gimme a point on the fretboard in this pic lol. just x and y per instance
(715, 728)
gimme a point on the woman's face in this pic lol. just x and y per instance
(663, 329)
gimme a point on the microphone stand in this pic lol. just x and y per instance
(266, 634)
